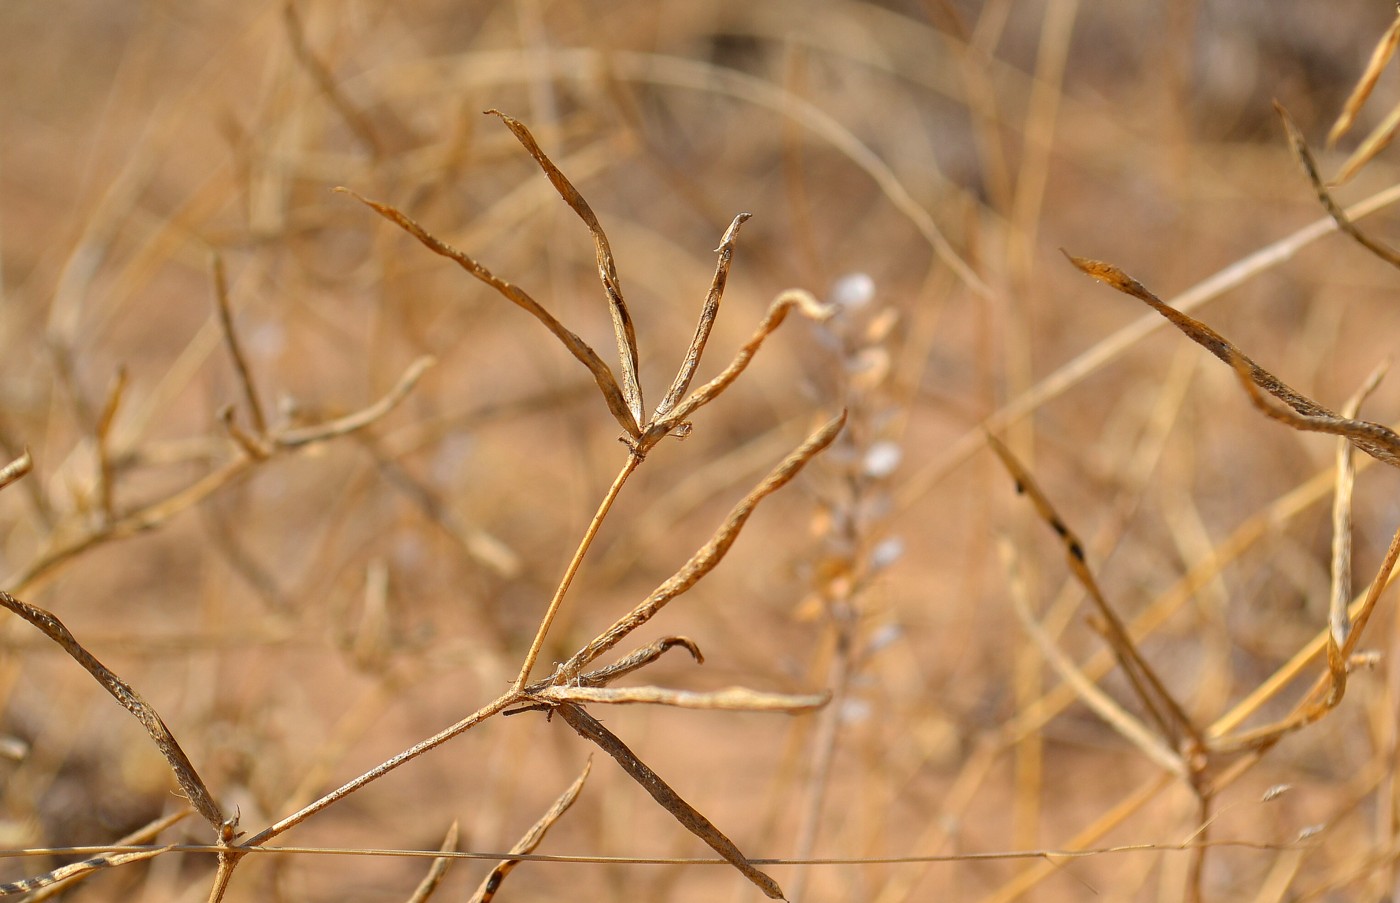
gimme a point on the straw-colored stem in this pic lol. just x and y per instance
(633, 460)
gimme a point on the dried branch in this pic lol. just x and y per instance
(235, 350)
(589, 728)
(185, 774)
(602, 375)
(623, 330)
(527, 844)
(103, 433)
(732, 699)
(320, 432)
(703, 561)
(326, 82)
(1309, 164)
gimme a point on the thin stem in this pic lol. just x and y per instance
(413, 752)
(633, 460)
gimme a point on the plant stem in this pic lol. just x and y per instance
(633, 460)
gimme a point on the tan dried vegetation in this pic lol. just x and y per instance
(434, 526)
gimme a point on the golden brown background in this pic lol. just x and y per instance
(329, 608)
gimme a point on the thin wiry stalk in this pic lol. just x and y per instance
(633, 461)
(235, 348)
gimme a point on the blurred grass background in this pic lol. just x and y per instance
(306, 622)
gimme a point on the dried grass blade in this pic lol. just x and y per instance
(777, 312)
(1385, 49)
(16, 469)
(235, 350)
(360, 419)
(105, 472)
(1339, 620)
(607, 267)
(1103, 705)
(1377, 141)
(681, 384)
(589, 728)
(1325, 693)
(1309, 164)
(602, 375)
(731, 699)
(189, 779)
(704, 561)
(438, 870)
(1169, 716)
(527, 844)
(326, 82)
(75, 869)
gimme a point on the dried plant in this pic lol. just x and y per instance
(570, 686)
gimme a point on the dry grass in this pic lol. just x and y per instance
(330, 505)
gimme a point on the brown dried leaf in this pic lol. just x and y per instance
(589, 728)
(607, 268)
(704, 561)
(602, 375)
(1372, 438)
(733, 699)
(1385, 49)
(189, 779)
(527, 844)
(1339, 216)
